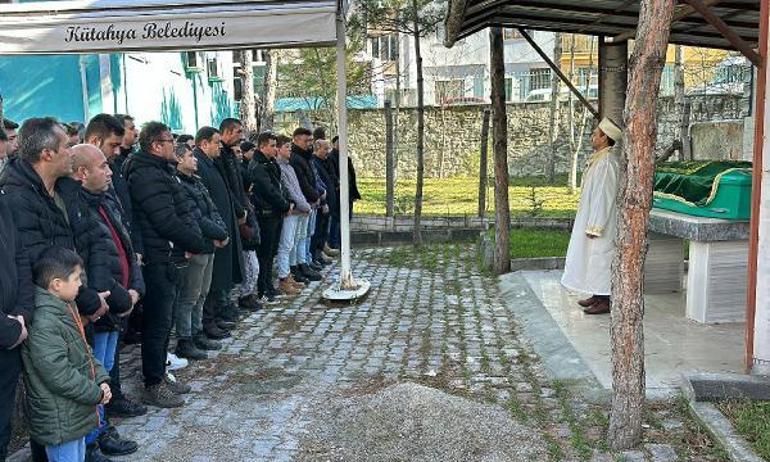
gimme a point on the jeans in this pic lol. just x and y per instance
(270, 233)
(250, 273)
(286, 244)
(310, 232)
(194, 284)
(105, 344)
(297, 256)
(10, 364)
(117, 393)
(71, 451)
(161, 282)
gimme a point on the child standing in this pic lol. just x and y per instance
(64, 382)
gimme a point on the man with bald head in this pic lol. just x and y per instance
(110, 264)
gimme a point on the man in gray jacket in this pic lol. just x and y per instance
(294, 227)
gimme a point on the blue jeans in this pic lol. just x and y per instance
(71, 451)
(298, 255)
(105, 345)
(286, 243)
(310, 232)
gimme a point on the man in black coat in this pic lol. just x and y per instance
(165, 231)
(353, 193)
(271, 204)
(16, 305)
(227, 260)
(323, 221)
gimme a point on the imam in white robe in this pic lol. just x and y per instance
(589, 260)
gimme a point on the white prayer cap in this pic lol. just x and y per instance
(611, 129)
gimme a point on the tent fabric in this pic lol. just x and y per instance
(152, 25)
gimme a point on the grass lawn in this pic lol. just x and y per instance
(752, 421)
(459, 196)
(533, 243)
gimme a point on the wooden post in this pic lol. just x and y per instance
(634, 201)
(389, 164)
(417, 236)
(483, 164)
(502, 262)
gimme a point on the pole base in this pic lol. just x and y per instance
(336, 294)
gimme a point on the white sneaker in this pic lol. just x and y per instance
(173, 362)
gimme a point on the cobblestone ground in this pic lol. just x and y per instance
(431, 317)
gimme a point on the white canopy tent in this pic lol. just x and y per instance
(99, 26)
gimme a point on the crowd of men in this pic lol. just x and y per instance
(109, 235)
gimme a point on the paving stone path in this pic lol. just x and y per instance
(431, 318)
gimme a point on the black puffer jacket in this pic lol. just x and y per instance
(120, 191)
(17, 293)
(160, 217)
(94, 244)
(204, 211)
(330, 181)
(299, 160)
(268, 194)
(40, 222)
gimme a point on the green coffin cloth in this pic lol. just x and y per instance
(696, 182)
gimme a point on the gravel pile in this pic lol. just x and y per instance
(409, 422)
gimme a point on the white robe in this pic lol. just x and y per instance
(587, 268)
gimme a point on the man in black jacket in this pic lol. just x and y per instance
(110, 265)
(195, 278)
(164, 230)
(270, 204)
(31, 184)
(16, 304)
(331, 206)
(227, 260)
(301, 154)
(333, 162)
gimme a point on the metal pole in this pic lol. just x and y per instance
(346, 278)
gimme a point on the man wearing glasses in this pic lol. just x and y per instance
(170, 236)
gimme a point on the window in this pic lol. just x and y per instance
(215, 73)
(385, 47)
(258, 56)
(512, 34)
(192, 61)
(237, 89)
(447, 90)
(539, 79)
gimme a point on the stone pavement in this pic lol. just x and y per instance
(431, 318)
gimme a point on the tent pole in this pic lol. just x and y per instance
(346, 278)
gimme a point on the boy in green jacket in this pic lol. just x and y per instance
(64, 382)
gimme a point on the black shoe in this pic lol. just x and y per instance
(215, 333)
(298, 276)
(124, 407)
(271, 292)
(112, 446)
(204, 343)
(225, 325)
(230, 313)
(185, 348)
(315, 266)
(249, 303)
(94, 455)
(309, 273)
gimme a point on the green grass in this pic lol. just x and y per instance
(459, 196)
(752, 420)
(534, 242)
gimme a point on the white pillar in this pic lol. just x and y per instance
(761, 360)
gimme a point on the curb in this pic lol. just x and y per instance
(540, 263)
(719, 426)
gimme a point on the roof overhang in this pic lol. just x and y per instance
(84, 26)
(609, 18)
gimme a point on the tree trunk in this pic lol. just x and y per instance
(679, 102)
(271, 77)
(248, 101)
(634, 200)
(483, 168)
(571, 113)
(502, 262)
(553, 127)
(389, 165)
(583, 121)
(397, 111)
(417, 237)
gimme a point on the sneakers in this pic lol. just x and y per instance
(268, 299)
(124, 407)
(295, 283)
(177, 387)
(225, 325)
(174, 363)
(296, 272)
(185, 348)
(331, 252)
(285, 286)
(161, 395)
(204, 343)
(111, 444)
(250, 303)
(315, 265)
(309, 273)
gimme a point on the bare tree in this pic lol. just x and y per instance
(553, 126)
(267, 116)
(635, 200)
(248, 98)
(502, 263)
(577, 140)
